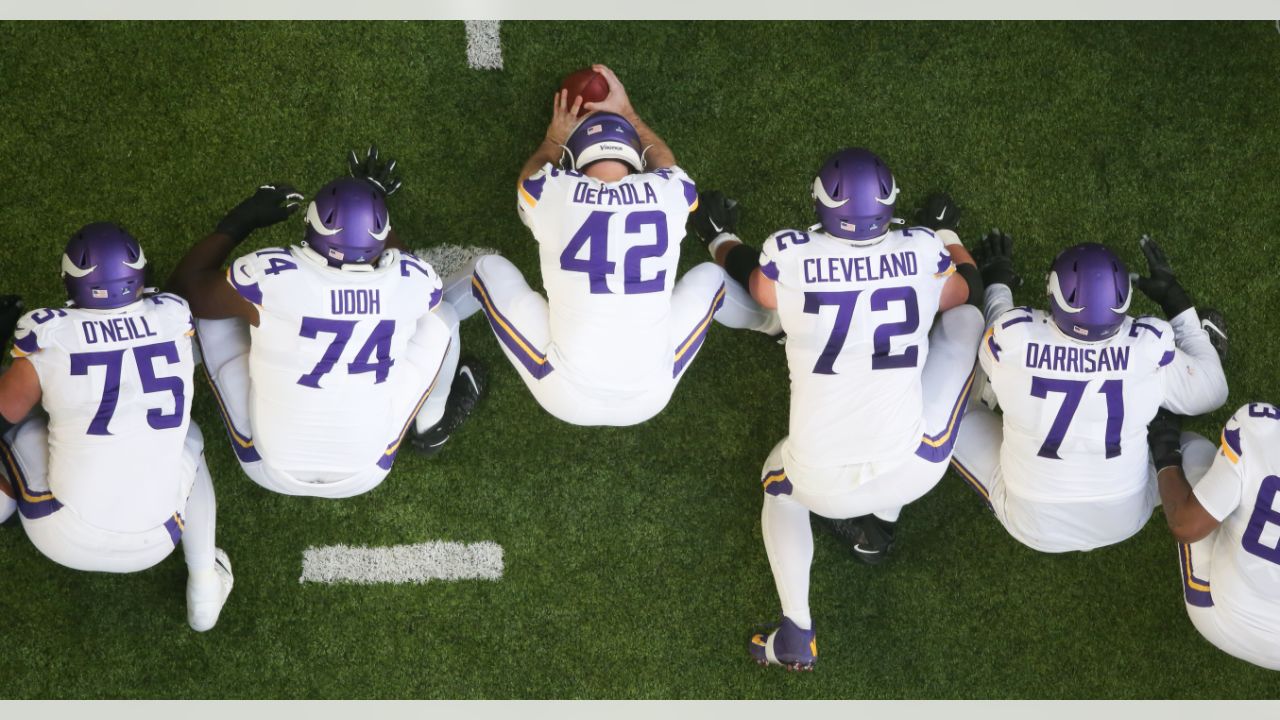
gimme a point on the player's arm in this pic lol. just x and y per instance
(1193, 377)
(200, 277)
(714, 221)
(19, 391)
(941, 215)
(657, 154)
(1188, 519)
(564, 118)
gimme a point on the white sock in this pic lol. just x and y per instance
(741, 311)
(788, 541)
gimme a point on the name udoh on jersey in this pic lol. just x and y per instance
(323, 359)
(1244, 493)
(609, 253)
(117, 387)
(857, 320)
(1075, 414)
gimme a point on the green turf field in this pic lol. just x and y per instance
(634, 565)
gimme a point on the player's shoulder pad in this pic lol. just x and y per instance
(1154, 337)
(1010, 330)
(679, 182)
(530, 190)
(417, 270)
(174, 311)
(1254, 424)
(249, 273)
(776, 251)
(37, 330)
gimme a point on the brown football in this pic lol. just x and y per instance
(588, 83)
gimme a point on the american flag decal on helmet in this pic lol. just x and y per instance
(1081, 330)
(595, 129)
(848, 226)
(336, 254)
(100, 293)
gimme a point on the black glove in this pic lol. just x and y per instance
(11, 307)
(374, 171)
(268, 206)
(1162, 286)
(1164, 437)
(715, 214)
(940, 212)
(996, 263)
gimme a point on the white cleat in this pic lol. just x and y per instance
(207, 592)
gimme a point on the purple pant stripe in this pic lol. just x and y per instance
(175, 530)
(242, 445)
(32, 505)
(389, 457)
(972, 481)
(536, 363)
(686, 350)
(1195, 590)
(930, 448)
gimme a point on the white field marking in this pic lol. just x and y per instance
(484, 45)
(419, 563)
(448, 259)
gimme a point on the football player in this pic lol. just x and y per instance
(616, 331)
(1067, 467)
(115, 477)
(878, 386)
(322, 356)
(1222, 509)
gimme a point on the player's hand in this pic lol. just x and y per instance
(940, 212)
(1164, 437)
(564, 117)
(996, 260)
(617, 101)
(1162, 286)
(268, 206)
(375, 171)
(716, 214)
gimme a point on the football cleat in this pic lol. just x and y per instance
(468, 387)
(787, 645)
(869, 538)
(1215, 323)
(207, 592)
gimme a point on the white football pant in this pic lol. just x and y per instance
(792, 490)
(60, 534)
(1195, 565)
(224, 349)
(527, 314)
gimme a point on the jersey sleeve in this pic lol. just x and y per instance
(245, 276)
(775, 262)
(36, 333)
(537, 195)
(176, 312)
(1220, 489)
(1003, 336)
(1194, 382)
(681, 188)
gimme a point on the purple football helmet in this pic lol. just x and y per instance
(1089, 292)
(604, 136)
(347, 222)
(103, 267)
(854, 195)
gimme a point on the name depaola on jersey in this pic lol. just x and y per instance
(589, 193)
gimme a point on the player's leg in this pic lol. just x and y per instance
(224, 352)
(209, 577)
(977, 450)
(739, 310)
(946, 382)
(454, 386)
(788, 541)
(8, 505)
(458, 293)
(520, 317)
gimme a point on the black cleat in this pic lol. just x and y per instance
(868, 538)
(1215, 323)
(468, 387)
(11, 309)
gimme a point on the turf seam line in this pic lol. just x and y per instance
(484, 44)
(398, 564)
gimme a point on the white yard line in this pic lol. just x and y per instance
(484, 45)
(419, 563)
(448, 259)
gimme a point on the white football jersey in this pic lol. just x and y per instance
(117, 387)
(609, 253)
(323, 359)
(857, 320)
(1242, 490)
(1076, 413)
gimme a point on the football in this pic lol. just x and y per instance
(588, 83)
